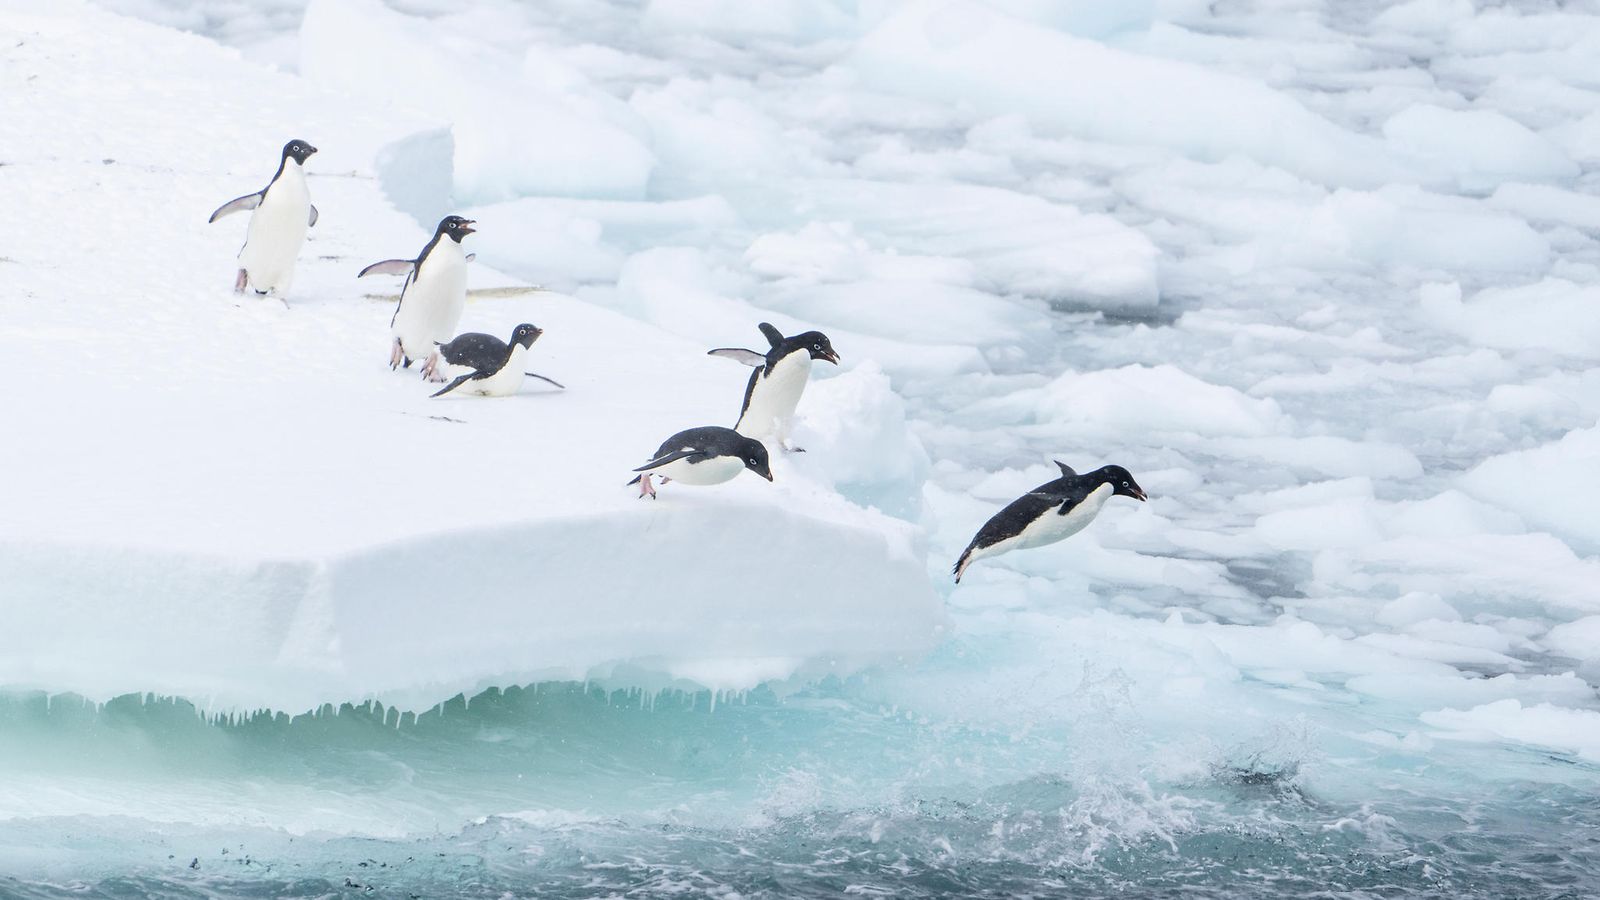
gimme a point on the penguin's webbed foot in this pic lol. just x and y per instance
(430, 369)
(646, 489)
(240, 282)
(396, 355)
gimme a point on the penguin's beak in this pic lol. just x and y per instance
(467, 229)
(1139, 494)
(768, 474)
(831, 356)
(310, 150)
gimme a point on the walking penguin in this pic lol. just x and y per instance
(282, 213)
(780, 376)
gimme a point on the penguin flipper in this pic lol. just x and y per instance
(542, 378)
(471, 257)
(389, 267)
(460, 380)
(237, 204)
(688, 453)
(774, 336)
(740, 355)
(314, 216)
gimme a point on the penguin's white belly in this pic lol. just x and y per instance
(773, 402)
(715, 470)
(1052, 526)
(503, 383)
(277, 229)
(431, 306)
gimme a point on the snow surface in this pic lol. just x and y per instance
(235, 501)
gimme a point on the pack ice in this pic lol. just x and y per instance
(236, 502)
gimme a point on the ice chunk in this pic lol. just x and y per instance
(1158, 399)
(1087, 18)
(999, 64)
(1553, 314)
(1423, 16)
(1545, 203)
(1579, 639)
(502, 123)
(1479, 148)
(1555, 486)
(790, 20)
(1287, 221)
(854, 429)
(1016, 243)
(1416, 607)
(1574, 731)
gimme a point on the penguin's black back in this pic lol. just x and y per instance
(484, 352)
(712, 439)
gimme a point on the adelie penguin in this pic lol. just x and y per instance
(1050, 512)
(779, 379)
(707, 455)
(431, 300)
(282, 214)
(484, 364)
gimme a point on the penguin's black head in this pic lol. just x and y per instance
(526, 334)
(755, 458)
(298, 150)
(455, 227)
(1122, 482)
(816, 343)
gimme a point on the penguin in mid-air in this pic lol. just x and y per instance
(707, 455)
(431, 300)
(1050, 512)
(484, 364)
(779, 378)
(283, 213)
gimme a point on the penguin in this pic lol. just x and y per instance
(487, 365)
(1050, 512)
(283, 213)
(779, 378)
(707, 455)
(431, 300)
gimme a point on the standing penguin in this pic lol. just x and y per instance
(707, 455)
(779, 378)
(484, 364)
(283, 213)
(1050, 512)
(431, 300)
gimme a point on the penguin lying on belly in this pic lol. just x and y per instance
(431, 300)
(708, 455)
(780, 377)
(1053, 511)
(282, 214)
(484, 364)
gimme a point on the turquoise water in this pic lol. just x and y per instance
(567, 791)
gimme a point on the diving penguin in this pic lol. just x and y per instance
(282, 214)
(484, 364)
(707, 455)
(779, 378)
(1050, 512)
(431, 300)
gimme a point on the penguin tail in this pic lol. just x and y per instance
(960, 568)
